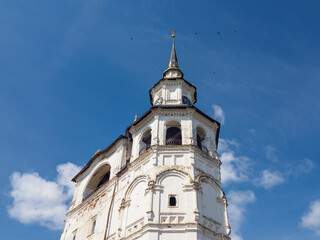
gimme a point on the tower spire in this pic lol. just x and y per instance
(173, 63)
(173, 71)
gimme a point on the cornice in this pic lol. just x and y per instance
(98, 194)
(217, 236)
(205, 121)
(209, 176)
(212, 160)
(141, 157)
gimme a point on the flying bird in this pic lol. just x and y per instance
(219, 33)
(235, 31)
(131, 38)
(195, 33)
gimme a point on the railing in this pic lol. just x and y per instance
(205, 149)
(144, 149)
(173, 141)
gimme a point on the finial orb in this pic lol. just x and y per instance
(173, 33)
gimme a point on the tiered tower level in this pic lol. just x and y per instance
(159, 181)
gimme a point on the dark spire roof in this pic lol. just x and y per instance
(173, 63)
(173, 71)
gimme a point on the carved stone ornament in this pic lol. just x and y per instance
(222, 200)
(150, 215)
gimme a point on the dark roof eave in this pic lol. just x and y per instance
(171, 107)
(97, 155)
(139, 119)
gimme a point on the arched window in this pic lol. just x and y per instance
(145, 142)
(172, 200)
(201, 135)
(101, 176)
(173, 134)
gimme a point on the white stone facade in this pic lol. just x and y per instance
(149, 185)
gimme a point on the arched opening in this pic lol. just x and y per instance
(101, 176)
(172, 200)
(201, 136)
(173, 134)
(145, 142)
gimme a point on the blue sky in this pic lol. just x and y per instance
(71, 81)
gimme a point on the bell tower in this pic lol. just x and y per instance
(160, 180)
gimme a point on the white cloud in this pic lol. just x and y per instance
(311, 219)
(234, 168)
(65, 173)
(238, 201)
(306, 166)
(270, 179)
(36, 200)
(271, 153)
(218, 113)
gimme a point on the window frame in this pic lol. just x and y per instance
(74, 234)
(93, 226)
(176, 198)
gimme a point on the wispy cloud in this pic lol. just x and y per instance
(306, 166)
(238, 201)
(271, 153)
(270, 179)
(252, 131)
(218, 113)
(311, 219)
(234, 167)
(38, 201)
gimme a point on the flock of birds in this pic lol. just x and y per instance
(196, 33)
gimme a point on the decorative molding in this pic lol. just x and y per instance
(195, 186)
(151, 185)
(188, 187)
(158, 187)
(124, 204)
(173, 170)
(205, 121)
(222, 200)
(196, 215)
(202, 177)
(101, 194)
(150, 215)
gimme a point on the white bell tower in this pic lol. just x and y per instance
(159, 181)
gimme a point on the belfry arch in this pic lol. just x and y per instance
(202, 140)
(100, 177)
(145, 141)
(173, 133)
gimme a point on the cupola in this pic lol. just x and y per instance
(173, 89)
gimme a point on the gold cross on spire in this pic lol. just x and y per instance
(173, 33)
